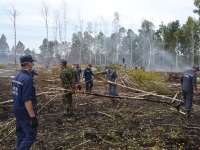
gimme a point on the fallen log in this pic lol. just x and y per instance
(150, 93)
(10, 101)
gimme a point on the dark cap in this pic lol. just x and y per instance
(90, 65)
(107, 67)
(196, 67)
(62, 61)
(26, 58)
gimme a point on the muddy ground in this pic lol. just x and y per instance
(101, 124)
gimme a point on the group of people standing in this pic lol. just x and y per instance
(71, 79)
(25, 103)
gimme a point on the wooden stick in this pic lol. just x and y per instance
(122, 81)
(175, 96)
(8, 101)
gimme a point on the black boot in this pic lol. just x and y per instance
(188, 115)
(178, 106)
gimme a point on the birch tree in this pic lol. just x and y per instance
(90, 31)
(80, 20)
(65, 20)
(55, 34)
(95, 40)
(100, 39)
(146, 34)
(197, 5)
(12, 14)
(105, 30)
(116, 26)
(191, 36)
(45, 16)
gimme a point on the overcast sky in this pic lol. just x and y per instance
(31, 29)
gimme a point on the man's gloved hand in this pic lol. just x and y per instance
(34, 122)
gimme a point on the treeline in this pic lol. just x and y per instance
(171, 46)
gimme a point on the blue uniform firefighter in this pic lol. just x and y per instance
(25, 104)
(78, 71)
(188, 84)
(111, 76)
(88, 78)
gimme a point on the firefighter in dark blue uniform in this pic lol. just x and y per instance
(111, 76)
(88, 78)
(25, 105)
(188, 84)
(78, 71)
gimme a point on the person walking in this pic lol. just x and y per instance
(111, 76)
(69, 78)
(188, 84)
(88, 78)
(25, 104)
(78, 71)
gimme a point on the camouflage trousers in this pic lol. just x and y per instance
(67, 102)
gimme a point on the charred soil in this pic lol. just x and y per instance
(99, 123)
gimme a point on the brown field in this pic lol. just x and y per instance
(100, 124)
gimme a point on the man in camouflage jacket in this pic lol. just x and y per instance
(69, 78)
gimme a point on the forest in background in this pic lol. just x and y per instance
(170, 47)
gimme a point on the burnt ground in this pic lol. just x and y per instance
(102, 124)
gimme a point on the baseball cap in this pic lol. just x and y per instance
(62, 61)
(26, 58)
(196, 67)
(90, 65)
(107, 67)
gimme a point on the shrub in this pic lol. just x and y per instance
(146, 80)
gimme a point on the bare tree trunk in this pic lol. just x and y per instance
(131, 51)
(151, 47)
(163, 53)
(45, 15)
(150, 53)
(95, 41)
(176, 50)
(105, 24)
(153, 56)
(192, 45)
(90, 60)
(60, 26)
(81, 39)
(90, 30)
(113, 55)
(65, 22)
(55, 33)
(116, 27)
(100, 58)
(12, 14)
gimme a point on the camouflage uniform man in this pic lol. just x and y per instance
(68, 77)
